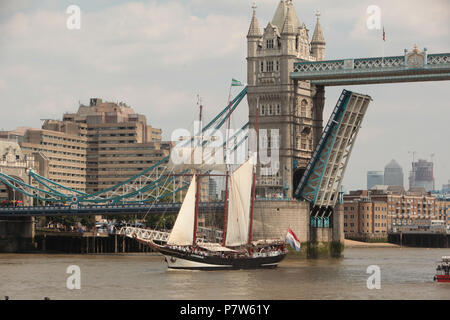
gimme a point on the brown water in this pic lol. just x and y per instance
(406, 273)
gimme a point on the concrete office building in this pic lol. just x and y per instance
(120, 144)
(374, 178)
(64, 144)
(393, 174)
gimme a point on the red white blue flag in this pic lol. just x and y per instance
(292, 239)
(384, 35)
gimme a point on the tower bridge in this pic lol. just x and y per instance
(287, 76)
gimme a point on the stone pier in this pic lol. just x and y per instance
(272, 219)
(16, 234)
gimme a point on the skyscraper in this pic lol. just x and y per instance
(374, 178)
(393, 174)
(422, 175)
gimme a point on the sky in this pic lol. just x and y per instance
(157, 56)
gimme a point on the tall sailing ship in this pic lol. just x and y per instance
(238, 250)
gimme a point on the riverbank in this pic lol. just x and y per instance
(358, 244)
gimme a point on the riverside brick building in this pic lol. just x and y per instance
(373, 213)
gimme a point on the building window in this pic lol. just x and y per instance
(278, 65)
(262, 110)
(269, 66)
(262, 66)
(304, 103)
(269, 44)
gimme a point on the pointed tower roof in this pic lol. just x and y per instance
(318, 34)
(393, 165)
(290, 24)
(254, 30)
(281, 13)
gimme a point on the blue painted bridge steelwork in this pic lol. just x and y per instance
(412, 67)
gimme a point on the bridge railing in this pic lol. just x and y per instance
(144, 234)
(206, 235)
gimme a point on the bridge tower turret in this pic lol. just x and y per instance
(254, 40)
(318, 43)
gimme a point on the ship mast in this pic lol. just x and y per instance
(227, 174)
(197, 193)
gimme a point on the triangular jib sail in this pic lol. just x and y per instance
(183, 231)
(238, 221)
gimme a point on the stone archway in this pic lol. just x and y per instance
(298, 174)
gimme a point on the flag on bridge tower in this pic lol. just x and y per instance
(384, 35)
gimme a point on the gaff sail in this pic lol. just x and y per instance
(238, 220)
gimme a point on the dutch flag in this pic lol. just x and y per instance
(292, 239)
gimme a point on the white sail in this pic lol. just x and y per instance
(183, 231)
(198, 158)
(238, 220)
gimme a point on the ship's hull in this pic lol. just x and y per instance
(181, 260)
(442, 278)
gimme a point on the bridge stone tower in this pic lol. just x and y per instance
(292, 107)
(16, 233)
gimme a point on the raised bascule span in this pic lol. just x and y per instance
(321, 182)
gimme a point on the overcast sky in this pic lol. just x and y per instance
(158, 55)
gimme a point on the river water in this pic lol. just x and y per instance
(406, 273)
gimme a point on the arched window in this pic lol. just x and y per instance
(303, 105)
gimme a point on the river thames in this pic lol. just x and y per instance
(406, 273)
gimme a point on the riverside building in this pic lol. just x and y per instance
(120, 144)
(99, 146)
(374, 213)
